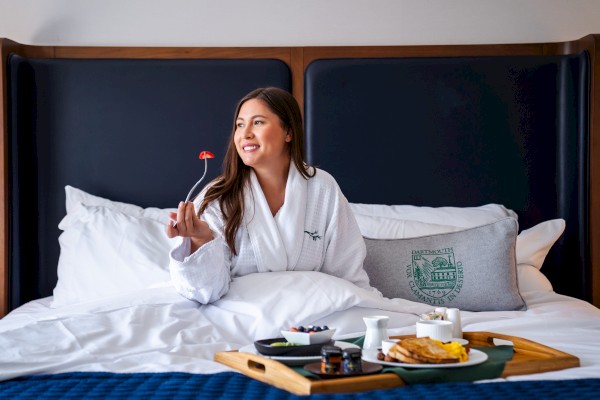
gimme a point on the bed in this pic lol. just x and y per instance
(484, 155)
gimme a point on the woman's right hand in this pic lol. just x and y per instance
(189, 225)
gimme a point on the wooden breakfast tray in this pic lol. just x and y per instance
(529, 357)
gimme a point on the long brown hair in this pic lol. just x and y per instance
(228, 188)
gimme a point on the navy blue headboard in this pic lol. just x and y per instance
(88, 122)
(463, 125)
(462, 131)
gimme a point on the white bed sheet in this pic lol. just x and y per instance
(157, 330)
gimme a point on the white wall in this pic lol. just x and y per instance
(295, 22)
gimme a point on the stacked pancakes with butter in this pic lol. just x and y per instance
(427, 351)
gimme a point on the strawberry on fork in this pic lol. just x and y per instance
(204, 155)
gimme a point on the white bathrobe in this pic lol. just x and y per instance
(314, 230)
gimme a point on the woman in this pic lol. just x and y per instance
(267, 212)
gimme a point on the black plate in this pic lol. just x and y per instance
(304, 350)
(367, 369)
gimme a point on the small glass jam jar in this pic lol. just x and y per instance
(351, 360)
(331, 359)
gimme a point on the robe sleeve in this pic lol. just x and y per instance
(204, 275)
(346, 249)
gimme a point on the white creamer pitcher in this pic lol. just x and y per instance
(376, 331)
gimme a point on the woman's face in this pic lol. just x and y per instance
(260, 140)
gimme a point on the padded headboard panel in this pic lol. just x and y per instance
(78, 121)
(462, 131)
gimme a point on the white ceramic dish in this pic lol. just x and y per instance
(475, 357)
(308, 338)
(296, 360)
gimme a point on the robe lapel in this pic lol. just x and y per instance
(277, 242)
(290, 218)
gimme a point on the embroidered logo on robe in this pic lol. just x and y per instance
(313, 235)
(434, 276)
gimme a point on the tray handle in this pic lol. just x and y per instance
(257, 367)
(521, 345)
(265, 370)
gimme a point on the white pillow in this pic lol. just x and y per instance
(532, 247)
(465, 217)
(533, 244)
(392, 228)
(76, 196)
(109, 248)
(531, 279)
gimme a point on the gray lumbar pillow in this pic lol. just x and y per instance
(473, 270)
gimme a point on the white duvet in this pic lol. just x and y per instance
(157, 330)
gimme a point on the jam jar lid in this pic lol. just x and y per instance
(331, 350)
(352, 351)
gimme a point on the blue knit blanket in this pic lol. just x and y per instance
(230, 385)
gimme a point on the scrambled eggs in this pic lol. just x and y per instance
(456, 349)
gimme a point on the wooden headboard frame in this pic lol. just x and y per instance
(298, 58)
